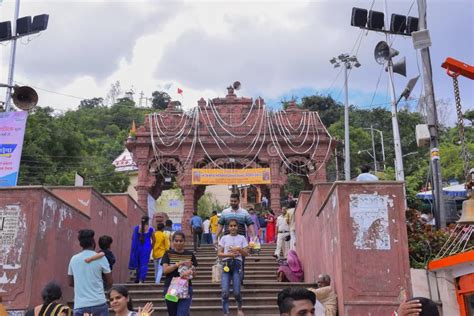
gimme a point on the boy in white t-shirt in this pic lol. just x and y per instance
(231, 249)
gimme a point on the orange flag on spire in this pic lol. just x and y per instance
(133, 130)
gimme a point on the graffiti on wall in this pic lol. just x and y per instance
(369, 214)
(48, 217)
(12, 230)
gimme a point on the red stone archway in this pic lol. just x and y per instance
(230, 132)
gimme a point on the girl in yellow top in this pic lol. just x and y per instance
(161, 244)
(214, 219)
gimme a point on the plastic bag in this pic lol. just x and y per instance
(255, 246)
(216, 273)
(178, 289)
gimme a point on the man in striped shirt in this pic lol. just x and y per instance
(243, 219)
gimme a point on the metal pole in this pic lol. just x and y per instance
(337, 164)
(383, 149)
(347, 160)
(12, 59)
(432, 119)
(373, 147)
(400, 176)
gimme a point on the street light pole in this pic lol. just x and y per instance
(347, 160)
(11, 68)
(373, 148)
(347, 62)
(400, 175)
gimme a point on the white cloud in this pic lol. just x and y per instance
(272, 47)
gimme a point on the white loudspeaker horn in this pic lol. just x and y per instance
(383, 52)
(400, 67)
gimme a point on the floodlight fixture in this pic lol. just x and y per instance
(398, 24)
(359, 17)
(23, 25)
(357, 64)
(376, 20)
(337, 65)
(40, 23)
(333, 60)
(5, 31)
(409, 88)
(412, 25)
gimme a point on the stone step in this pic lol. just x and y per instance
(208, 272)
(204, 278)
(205, 292)
(249, 310)
(207, 285)
(212, 301)
(253, 260)
(207, 269)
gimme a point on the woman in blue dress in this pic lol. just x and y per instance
(141, 249)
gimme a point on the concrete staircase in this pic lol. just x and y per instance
(259, 291)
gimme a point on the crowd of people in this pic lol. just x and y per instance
(234, 233)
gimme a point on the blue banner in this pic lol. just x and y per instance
(12, 132)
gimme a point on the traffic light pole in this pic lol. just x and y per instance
(11, 68)
(432, 119)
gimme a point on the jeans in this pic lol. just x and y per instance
(263, 232)
(98, 310)
(158, 270)
(207, 238)
(235, 276)
(182, 307)
(197, 240)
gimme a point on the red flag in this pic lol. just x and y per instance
(180, 91)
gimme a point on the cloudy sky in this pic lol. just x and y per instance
(276, 49)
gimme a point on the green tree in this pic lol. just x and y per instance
(160, 100)
(91, 103)
(329, 110)
(469, 115)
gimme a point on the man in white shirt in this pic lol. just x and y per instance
(207, 231)
(283, 236)
(366, 175)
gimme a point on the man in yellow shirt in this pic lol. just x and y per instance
(161, 244)
(214, 219)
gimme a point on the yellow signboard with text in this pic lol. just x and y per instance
(232, 176)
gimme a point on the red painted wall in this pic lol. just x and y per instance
(44, 242)
(369, 267)
(43, 225)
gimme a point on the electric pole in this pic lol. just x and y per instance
(422, 41)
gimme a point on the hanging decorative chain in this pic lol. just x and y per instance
(462, 137)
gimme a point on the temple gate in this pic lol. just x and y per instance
(229, 133)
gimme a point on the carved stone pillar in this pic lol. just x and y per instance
(141, 187)
(275, 204)
(258, 194)
(189, 204)
(320, 174)
(245, 197)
